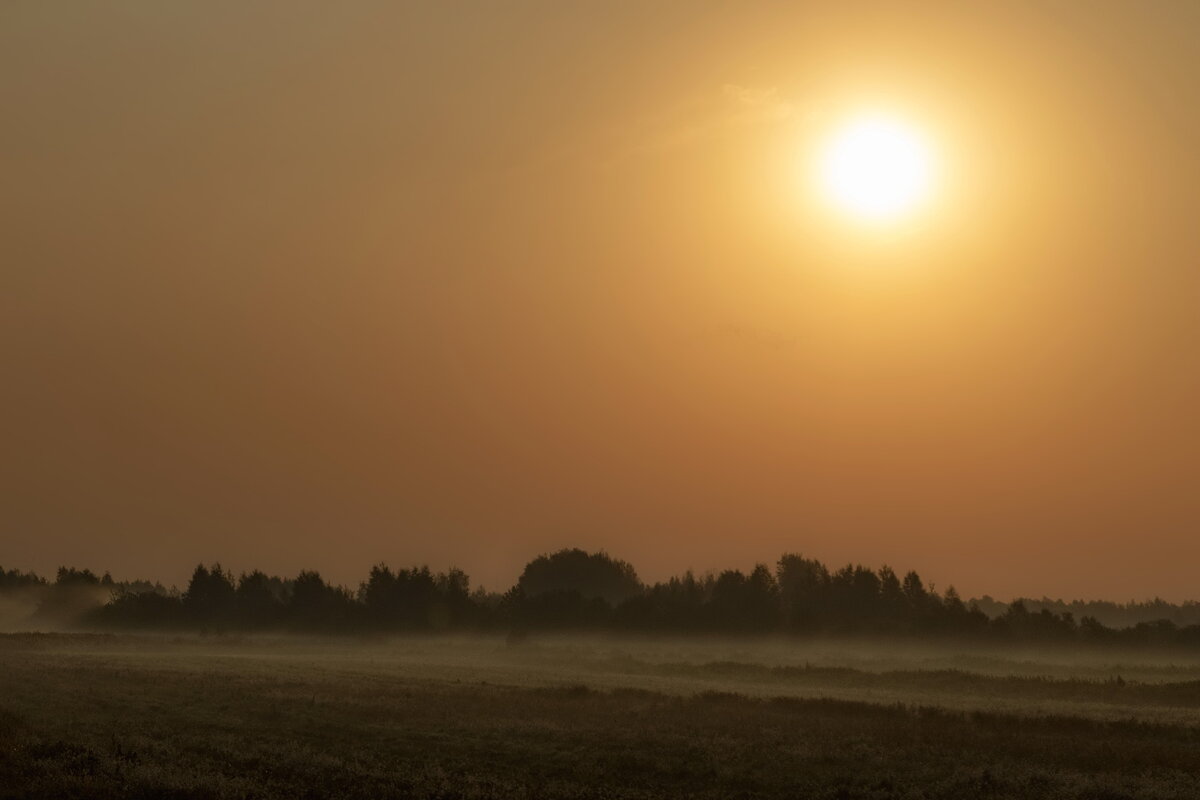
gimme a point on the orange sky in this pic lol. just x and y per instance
(300, 285)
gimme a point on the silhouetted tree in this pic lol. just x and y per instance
(317, 606)
(571, 589)
(416, 599)
(15, 579)
(74, 593)
(454, 607)
(678, 605)
(561, 609)
(209, 599)
(893, 606)
(259, 600)
(854, 594)
(592, 575)
(69, 576)
(803, 591)
(745, 603)
(147, 610)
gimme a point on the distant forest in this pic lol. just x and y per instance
(576, 590)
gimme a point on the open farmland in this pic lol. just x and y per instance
(116, 716)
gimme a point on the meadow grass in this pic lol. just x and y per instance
(185, 717)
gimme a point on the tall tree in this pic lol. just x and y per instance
(592, 575)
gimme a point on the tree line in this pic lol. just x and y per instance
(572, 590)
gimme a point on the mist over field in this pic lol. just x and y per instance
(572, 716)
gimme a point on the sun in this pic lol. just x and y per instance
(876, 169)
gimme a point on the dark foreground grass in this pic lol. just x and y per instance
(87, 727)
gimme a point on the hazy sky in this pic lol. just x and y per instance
(308, 284)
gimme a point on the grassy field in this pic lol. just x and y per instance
(186, 717)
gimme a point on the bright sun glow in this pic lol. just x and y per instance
(876, 169)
